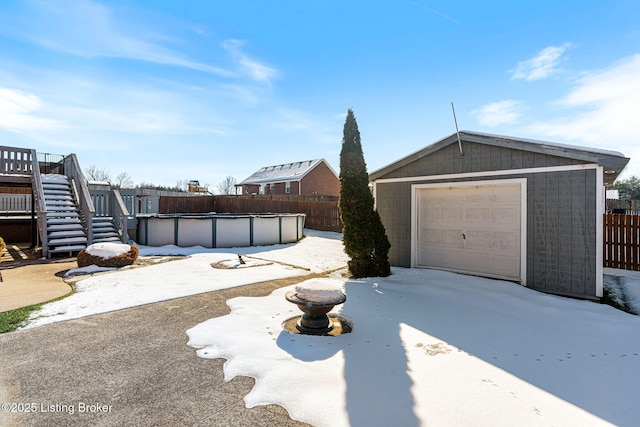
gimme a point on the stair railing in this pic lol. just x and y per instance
(79, 185)
(120, 216)
(40, 204)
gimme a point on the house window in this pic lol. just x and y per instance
(272, 187)
(287, 187)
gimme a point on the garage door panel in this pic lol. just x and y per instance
(428, 255)
(449, 217)
(508, 266)
(475, 216)
(451, 259)
(477, 194)
(470, 228)
(506, 243)
(429, 236)
(451, 238)
(478, 240)
(507, 217)
(475, 261)
(433, 237)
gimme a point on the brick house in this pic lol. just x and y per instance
(308, 177)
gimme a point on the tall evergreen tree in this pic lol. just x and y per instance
(364, 237)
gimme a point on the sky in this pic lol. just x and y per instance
(428, 347)
(171, 91)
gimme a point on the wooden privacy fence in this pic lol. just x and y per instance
(622, 241)
(321, 211)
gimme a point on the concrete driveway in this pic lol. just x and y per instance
(128, 367)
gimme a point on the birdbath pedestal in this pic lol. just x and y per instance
(315, 299)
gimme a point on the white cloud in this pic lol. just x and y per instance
(437, 12)
(318, 129)
(89, 29)
(541, 66)
(606, 104)
(498, 113)
(17, 112)
(249, 66)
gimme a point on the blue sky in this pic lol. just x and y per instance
(200, 89)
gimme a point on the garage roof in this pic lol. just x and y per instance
(613, 162)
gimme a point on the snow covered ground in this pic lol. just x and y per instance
(428, 347)
(129, 287)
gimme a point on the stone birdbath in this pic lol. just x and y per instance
(315, 298)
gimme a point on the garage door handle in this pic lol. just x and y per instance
(463, 236)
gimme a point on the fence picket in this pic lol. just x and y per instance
(621, 239)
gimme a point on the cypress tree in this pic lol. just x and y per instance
(363, 234)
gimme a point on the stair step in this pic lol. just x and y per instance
(58, 196)
(65, 227)
(66, 233)
(105, 234)
(59, 204)
(69, 248)
(54, 177)
(56, 193)
(103, 226)
(56, 221)
(57, 207)
(101, 221)
(62, 214)
(56, 187)
(67, 241)
(106, 239)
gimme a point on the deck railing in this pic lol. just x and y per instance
(15, 204)
(79, 185)
(17, 161)
(109, 203)
(40, 204)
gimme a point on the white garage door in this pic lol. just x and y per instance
(470, 228)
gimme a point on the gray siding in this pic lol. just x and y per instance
(561, 212)
(393, 202)
(477, 158)
(561, 232)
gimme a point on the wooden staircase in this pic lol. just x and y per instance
(65, 232)
(104, 229)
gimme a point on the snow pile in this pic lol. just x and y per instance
(320, 290)
(108, 254)
(108, 250)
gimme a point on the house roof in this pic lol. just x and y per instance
(285, 172)
(613, 162)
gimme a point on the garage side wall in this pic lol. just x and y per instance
(561, 245)
(561, 232)
(393, 202)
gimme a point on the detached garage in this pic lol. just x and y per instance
(502, 207)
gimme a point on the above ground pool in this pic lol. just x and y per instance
(215, 230)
